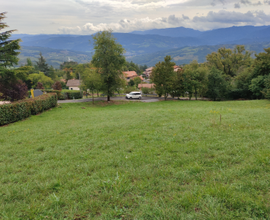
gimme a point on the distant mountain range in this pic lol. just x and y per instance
(146, 47)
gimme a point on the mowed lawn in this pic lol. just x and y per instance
(131, 160)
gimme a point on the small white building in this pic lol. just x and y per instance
(74, 84)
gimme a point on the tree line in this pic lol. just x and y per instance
(226, 74)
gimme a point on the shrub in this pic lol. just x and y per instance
(65, 94)
(14, 91)
(145, 90)
(22, 109)
(130, 89)
(73, 93)
(39, 85)
(58, 93)
(57, 86)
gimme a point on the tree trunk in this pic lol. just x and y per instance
(93, 96)
(108, 98)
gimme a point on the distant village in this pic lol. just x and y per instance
(74, 84)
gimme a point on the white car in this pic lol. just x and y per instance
(134, 95)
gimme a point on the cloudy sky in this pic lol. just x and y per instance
(90, 16)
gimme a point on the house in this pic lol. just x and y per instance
(176, 68)
(74, 84)
(130, 75)
(148, 72)
(150, 86)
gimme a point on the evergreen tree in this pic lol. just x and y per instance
(29, 62)
(42, 66)
(8, 57)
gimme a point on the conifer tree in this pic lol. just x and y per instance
(8, 58)
(42, 66)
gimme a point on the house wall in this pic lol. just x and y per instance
(74, 88)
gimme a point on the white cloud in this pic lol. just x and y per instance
(212, 20)
(89, 16)
(126, 25)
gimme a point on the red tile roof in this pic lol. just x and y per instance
(130, 74)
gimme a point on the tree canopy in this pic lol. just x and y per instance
(109, 60)
(163, 76)
(8, 58)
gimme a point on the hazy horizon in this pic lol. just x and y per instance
(85, 17)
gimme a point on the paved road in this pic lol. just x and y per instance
(144, 99)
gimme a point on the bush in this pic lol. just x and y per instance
(57, 86)
(39, 86)
(146, 90)
(65, 93)
(58, 92)
(73, 93)
(130, 89)
(22, 109)
(15, 91)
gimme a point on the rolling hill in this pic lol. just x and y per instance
(147, 47)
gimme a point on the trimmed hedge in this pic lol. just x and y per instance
(65, 94)
(23, 109)
(73, 93)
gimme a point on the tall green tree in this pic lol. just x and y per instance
(163, 75)
(196, 78)
(109, 60)
(8, 58)
(42, 66)
(29, 62)
(229, 61)
(179, 88)
(217, 85)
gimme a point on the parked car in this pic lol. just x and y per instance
(134, 95)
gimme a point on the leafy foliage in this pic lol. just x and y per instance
(42, 78)
(57, 86)
(17, 111)
(109, 60)
(8, 58)
(163, 75)
(16, 90)
(217, 85)
(39, 86)
(42, 66)
(91, 80)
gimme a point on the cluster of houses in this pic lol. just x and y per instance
(74, 84)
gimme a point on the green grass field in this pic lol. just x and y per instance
(164, 160)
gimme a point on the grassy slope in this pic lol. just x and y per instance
(166, 160)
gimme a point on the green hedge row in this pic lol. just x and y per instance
(22, 109)
(65, 94)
